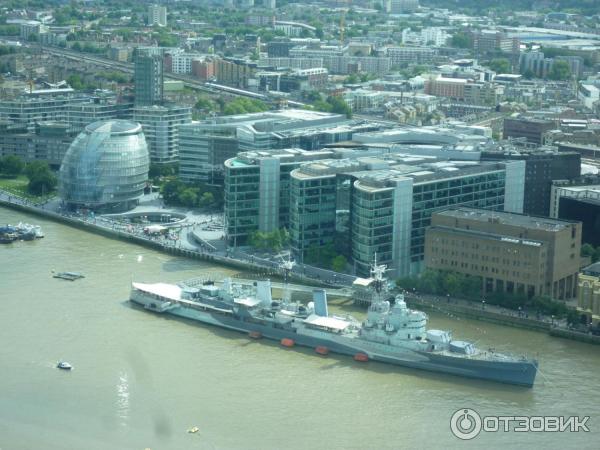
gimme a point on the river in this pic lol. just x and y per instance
(141, 380)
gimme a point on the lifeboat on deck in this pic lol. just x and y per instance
(362, 357)
(255, 334)
(322, 350)
(287, 342)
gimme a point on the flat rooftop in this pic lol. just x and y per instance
(488, 236)
(592, 269)
(507, 218)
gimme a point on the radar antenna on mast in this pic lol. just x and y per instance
(377, 272)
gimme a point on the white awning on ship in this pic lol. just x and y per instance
(327, 322)
(169, 291)
(247, 301)
(363, 282)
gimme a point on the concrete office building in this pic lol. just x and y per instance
(280, 49)
(207, 144)
(161, 125)
(581, 202)
(403, 6)
(390, 211)
(336, 62)
(485, 41)
(390, 198)
(400, 56)
(148, 76)
(512, 253)
(157, 15)
(588, 293)
(80, 115)
(530, 128)
(291, 63)
(541, 169)
(30, 109)
(48, 142)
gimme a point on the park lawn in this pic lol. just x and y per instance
(18, 187)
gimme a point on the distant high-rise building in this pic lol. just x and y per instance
(161, 128)
(148, 76)
(157, 15)
(271, 4)
(403, 6)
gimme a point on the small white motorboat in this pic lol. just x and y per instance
(64, 365)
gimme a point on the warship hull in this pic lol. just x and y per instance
(511, 372)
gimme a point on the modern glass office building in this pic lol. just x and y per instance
(312, 208)
(106, 167)
(257, 190)
(389, 201)
(148, 76)
(391, 211)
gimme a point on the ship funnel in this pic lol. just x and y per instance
(320, 300)
(263, 292)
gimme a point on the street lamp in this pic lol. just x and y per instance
(519, 311)
(483, 304)
(552, 317)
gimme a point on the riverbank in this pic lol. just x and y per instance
(93, 226)
(485, 314)
(463, 309)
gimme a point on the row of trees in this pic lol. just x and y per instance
(158, 171)
(326, 256)
(589, 250)
(78, 83)
(11, 166)
(274, 240)
(177, 193)
(560, 70)
(440, 282)
(333, 104)
(88, 47)
(243, 105)
(41, 179)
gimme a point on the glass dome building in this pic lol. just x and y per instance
(106, 167)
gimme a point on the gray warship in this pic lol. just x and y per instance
(391, 333)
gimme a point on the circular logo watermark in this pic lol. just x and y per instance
(465, 424)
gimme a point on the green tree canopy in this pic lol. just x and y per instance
(560, 71)
(41, 179)
(461, 40)
(11, 166)
(500, 65)
(339, 263)
(242, 105)
(334, 104)
(188, 197)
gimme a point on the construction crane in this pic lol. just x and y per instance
(30, 81)
(342, 23)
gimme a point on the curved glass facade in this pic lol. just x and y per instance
(106, 167)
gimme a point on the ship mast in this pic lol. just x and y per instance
(287, 264)
(377, 272)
